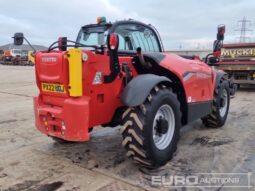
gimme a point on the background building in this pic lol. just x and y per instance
(23, 47)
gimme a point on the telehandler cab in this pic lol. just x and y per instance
(118, 74)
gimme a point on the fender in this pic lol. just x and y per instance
(139, 88)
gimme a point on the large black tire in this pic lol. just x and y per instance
(217, 119)
(137, 130)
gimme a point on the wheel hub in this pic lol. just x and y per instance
(161, 126)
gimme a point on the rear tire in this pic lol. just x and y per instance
(147, 137)
(220, 106)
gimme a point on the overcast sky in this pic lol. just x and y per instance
(181, 23)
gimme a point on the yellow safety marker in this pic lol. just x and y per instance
(75, 71)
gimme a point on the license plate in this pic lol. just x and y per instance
(56, 88)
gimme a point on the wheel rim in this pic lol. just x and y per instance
(163, 140)
(224, 106)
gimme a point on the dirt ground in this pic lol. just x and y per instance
(31, 161)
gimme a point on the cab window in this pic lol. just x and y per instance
(132, 36)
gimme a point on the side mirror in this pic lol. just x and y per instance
(18, 38)
(213, 61)
(113, 42)
(221, 32)
(62, 43)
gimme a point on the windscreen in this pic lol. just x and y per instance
(92, 36)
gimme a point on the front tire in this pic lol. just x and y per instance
(151, 130)
(220, 106)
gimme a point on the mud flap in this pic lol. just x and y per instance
(139, 88)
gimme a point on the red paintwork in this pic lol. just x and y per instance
(99, 102)
(96, 107)
(198, 88)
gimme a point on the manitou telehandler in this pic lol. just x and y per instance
(118, 74)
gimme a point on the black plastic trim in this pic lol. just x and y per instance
(156, 56)
(139, 88)
(114, 66)
(198, 110)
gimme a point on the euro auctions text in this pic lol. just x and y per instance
(207, 180)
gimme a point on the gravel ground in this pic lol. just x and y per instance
(31, 161)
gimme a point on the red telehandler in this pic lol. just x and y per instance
(118, 74)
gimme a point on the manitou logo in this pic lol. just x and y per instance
(49, 59)
(235, 52)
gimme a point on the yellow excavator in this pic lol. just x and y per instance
(31, 58)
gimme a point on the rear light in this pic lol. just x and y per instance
(63, 126)
(113, 41)
(62, 43)
(45, 122)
